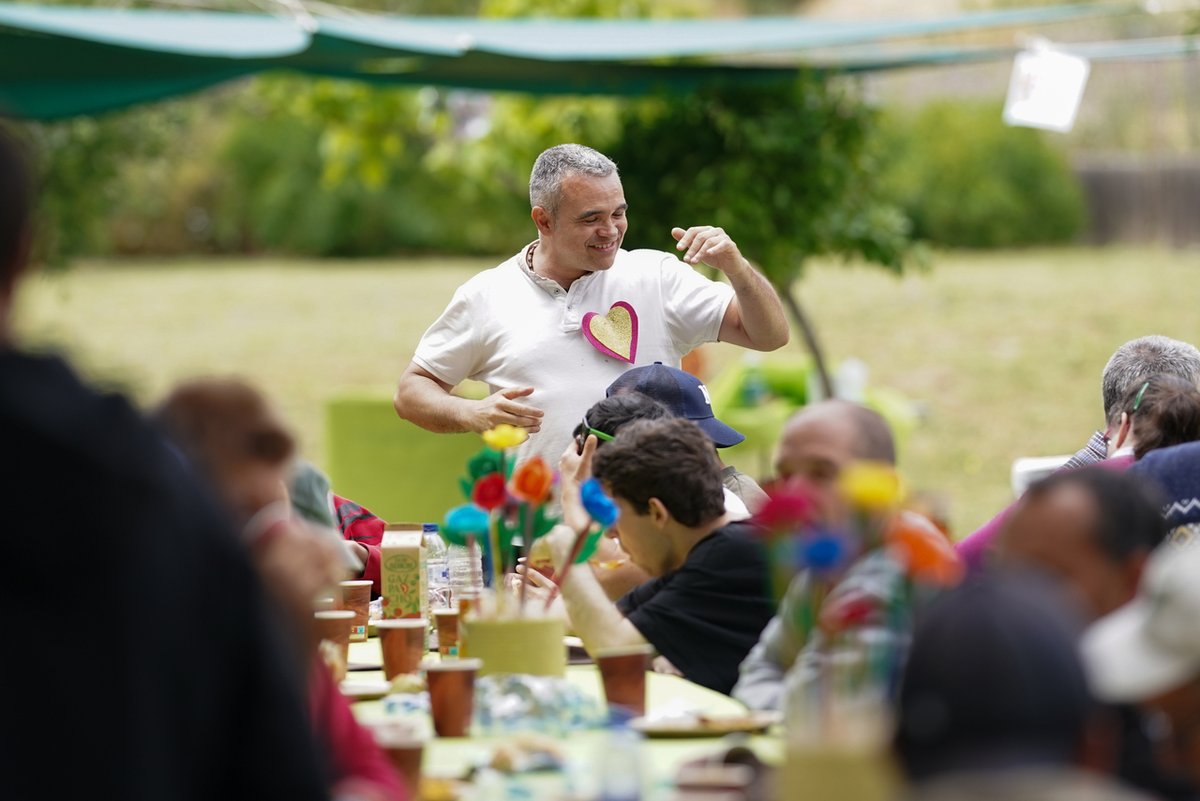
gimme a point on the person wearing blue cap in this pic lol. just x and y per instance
(685, 396)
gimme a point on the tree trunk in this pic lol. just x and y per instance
(810, 337)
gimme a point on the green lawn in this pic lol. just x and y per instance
(1003, 351)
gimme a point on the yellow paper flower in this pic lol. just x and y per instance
(505, 436)
(874, 486)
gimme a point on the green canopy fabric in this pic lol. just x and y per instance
(60, 61)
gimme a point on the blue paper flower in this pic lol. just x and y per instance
(822, 551)
(597, 503)
(464, 522)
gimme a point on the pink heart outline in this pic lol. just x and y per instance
(605, 349)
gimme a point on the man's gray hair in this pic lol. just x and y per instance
(556, 163)
(1139, 359)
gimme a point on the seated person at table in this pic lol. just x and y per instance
(1093, 530)
(709, 600)
(817, 444)
(360, 528)
(231, 436)
(685, 396)
(606, 417)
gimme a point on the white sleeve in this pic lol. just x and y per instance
(448, 349)
(693, 305)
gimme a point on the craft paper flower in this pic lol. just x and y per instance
(531, 481)
(482, 463)
(597, 503)
(822, 552)
(464, 522)
(789, 507)
(844, 611)
(489, 492)
(873, 486)
(505, 436)
(924, 550)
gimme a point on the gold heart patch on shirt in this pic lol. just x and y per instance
(616, 333)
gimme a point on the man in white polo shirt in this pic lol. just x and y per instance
(550, 328)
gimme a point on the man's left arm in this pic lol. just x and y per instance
(755, 318)
(593, 616)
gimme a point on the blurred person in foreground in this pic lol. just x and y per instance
(233, 438)
(157, 669)
(818, 444)
(1148, 653)
(1160, 410)
(524, 327)
(709, 597)
(993, 703)
(1094, 530)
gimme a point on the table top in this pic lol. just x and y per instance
(584, 750)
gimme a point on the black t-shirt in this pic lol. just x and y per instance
(707, 615)
(144, 663)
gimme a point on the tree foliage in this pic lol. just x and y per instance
(786, 170)
(968, 180)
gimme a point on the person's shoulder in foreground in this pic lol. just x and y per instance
(189, 674)
(159, 674)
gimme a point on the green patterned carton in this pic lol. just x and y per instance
(403, 575)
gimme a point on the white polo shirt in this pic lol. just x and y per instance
(509, 327)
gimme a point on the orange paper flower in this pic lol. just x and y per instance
(926, 552)
(531, 481)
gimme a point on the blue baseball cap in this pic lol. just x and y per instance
(682, 393)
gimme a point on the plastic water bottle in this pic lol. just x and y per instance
(754, 384)
(466, 574)
(437, 567)
(620, 768)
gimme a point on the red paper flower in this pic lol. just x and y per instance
(789, 507)
(531, 481)
(488, 492)
(847, 611)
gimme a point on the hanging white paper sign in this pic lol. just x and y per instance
(1045, 90)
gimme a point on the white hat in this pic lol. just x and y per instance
(1152, 644)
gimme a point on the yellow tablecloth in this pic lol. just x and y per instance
(660, 758)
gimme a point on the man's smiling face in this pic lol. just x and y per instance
(587, 228)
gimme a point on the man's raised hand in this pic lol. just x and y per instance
(709, 245)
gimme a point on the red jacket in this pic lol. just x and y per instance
(359, 524)
(357, 766)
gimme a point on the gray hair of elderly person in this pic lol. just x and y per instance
(1138, 359)
(556, 163)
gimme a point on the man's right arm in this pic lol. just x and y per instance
(425, 400)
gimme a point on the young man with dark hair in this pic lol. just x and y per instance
(709, 599)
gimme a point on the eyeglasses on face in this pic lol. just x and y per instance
(584, 430)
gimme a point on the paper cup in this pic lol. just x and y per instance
(356, 596)
(404, 749)
(623, 676)
(452, 695)
(402, 644)
(447, 631)
(333, 638)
